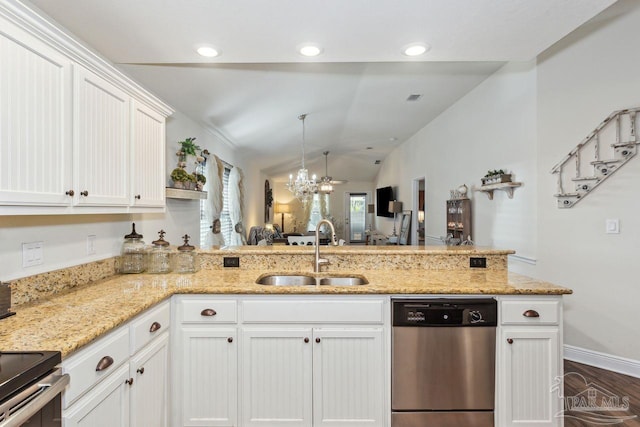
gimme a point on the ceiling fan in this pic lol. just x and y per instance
(326, 182)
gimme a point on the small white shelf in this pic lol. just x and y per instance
(178, 193)
(504, 186)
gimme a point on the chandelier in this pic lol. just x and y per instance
(302, 187)
(325, 186)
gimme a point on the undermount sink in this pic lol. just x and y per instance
(302, 280)
(286, 280)
(344, 281)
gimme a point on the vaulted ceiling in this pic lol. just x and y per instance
(355, 92)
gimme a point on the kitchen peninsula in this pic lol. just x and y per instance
(224, 312)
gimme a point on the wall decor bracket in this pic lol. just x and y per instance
(590, 170)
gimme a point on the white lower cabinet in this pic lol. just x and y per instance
(312, 376)
(149, 371)
(529, 364)
(106, 405)
(348, 384)
(276, 377)
(208, 376)
(122, 378)
(297, 362)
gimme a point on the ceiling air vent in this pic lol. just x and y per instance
(377, 162)
(414, 97)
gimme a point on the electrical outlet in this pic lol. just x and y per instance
(479, 262)
(32, 254)
(231, 261)
(91, 244)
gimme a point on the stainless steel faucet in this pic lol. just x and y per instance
(323, 261)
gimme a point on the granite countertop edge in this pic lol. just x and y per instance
(72, 319)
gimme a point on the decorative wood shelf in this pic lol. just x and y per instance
(505, 186)
(178, 193)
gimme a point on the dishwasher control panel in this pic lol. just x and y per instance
(445, 312)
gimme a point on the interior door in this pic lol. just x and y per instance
(355, 217)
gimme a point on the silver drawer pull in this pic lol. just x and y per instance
(531, 313)
(155, 326)
(208, 312)
(104, 363)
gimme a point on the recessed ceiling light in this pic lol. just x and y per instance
(415, 49)
(208, 51)
(310, 50)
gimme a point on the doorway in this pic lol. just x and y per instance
(418, 221)
(355, 217)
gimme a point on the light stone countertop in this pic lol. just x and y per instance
(74, 318)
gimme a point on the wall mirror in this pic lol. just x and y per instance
(405, 225)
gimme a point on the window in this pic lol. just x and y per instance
(225, 218)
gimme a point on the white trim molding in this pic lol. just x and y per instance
(606, 361)
(524, 259)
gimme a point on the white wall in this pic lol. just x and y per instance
(492, 127)
(581, 80)
(65, 236)
(525, 118)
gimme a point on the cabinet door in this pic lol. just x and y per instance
(209, 377)
(106, 405)
(530, 366)
(147, 157)
(149, 370)
(35, 121)
(276, 377)
(348, 377)
(101, 141)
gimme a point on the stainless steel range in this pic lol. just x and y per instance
(443, 362)
(30, 387)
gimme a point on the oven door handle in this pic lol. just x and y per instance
(35, 398)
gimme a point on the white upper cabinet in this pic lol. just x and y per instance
(147, 157)
(101, 141)
(76, 135)
(35, 121)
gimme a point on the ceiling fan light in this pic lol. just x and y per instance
(207, 51)
(415, 49)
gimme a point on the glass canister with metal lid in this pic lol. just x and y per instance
(159, 260)
(186, 259)
(133, 256)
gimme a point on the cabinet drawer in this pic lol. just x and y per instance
(208, 311)
(328, 311)
(149, 325)
(524, 312)
(84, 367)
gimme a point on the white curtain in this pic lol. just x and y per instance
(236, 201)
(213, 207)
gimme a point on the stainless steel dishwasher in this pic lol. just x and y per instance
(443, 362)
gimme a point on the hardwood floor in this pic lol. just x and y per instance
(580, 381)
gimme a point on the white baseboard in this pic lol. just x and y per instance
(606, 361)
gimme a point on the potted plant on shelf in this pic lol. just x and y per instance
(201, 180)
(496, 177)
(180, 177)
(187, 148)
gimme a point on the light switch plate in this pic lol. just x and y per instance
(612, 226)
(32, 254)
